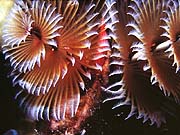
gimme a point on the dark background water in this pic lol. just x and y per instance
(9, 113)
(104, 121)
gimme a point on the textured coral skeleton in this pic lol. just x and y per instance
(55, 48)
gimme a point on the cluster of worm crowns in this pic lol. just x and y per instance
(60, 49)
